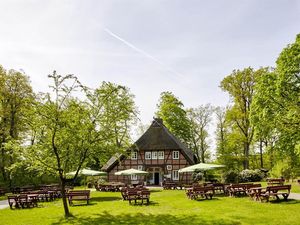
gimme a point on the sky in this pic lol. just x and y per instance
(183, 46)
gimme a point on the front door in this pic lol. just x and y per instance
(156, 178)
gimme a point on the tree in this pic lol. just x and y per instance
(228, 140)
(117, 113)
(171, 110)
(66, 134)
(16, 97)
(240, 86)
(199, 119)
(276, 109)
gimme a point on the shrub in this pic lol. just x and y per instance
(250, 176)
(231, 176)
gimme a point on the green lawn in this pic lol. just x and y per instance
(167, 207)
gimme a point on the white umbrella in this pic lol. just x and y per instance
(131, 172)
(200, 166)
(87, 172)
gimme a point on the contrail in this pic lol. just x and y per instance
(143, 52)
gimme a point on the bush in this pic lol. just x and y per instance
(231, 176)
(250, 176)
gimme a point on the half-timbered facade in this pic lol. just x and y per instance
(159, 153)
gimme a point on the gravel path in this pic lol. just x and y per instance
(3, 204)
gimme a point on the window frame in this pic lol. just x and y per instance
(140, 167)
(174, 153)
(149, 154)
(173, 175)
(154, 155)
(134, 154)
(160, 156)
(133, 177)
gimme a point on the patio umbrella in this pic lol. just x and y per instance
(200, 166)
(87, 172)
(131, 172)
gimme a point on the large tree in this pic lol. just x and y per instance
(117, 113)
(174, 116)
(240, 86)
(276, 109)
(16, 99)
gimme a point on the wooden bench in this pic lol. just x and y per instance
(78, 195)
(22, 201)
(206, 192)
(252, 190)
(275, 181)
(276, 191)
(136, 194)
(144, 195)
(237, 190)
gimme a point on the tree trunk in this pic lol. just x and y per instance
(261, 154)
(246, 155)
(64, 197)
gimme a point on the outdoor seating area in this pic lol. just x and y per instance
(29, 196)
(136, 195)
(110, 186)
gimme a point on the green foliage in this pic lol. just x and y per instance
(171, 110)
(16, 99)
(240, 86)
(276, 112)
(250, 176)
(231, 176)
(200, 119)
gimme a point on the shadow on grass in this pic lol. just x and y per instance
(139, 203)
(149, 219)
(105, 199)
(204, 199)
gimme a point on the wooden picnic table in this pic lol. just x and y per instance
(255, 192)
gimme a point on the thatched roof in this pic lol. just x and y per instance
(157, 137)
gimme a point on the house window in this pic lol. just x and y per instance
(154, 155)
(161, 155)
(169, 167)
(133, 155)
(133, 177)
(147, 155)
(175, 154)
(175, 175)
(140, 167)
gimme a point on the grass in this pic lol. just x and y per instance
(166, 208)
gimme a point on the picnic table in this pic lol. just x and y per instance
(275, 181)
(206, 192)
(22, 200)
(275, 191)
(136, 194)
